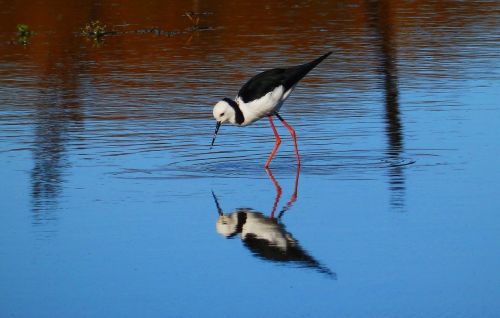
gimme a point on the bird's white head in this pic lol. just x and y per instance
(223, 112)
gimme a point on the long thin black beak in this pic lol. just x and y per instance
(215, 134)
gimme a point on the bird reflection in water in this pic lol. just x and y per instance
(266, 236)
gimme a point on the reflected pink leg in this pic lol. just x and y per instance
(278, 142)
(293, 198)
(278, 191)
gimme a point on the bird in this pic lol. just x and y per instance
(266, 237)
(262, 96)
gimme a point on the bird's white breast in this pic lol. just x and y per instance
(264, 106)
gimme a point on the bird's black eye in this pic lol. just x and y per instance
(222, 114)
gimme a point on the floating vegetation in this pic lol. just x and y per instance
(194, 17)
(23, 33)
(97, 30)
(94, 29)
(23, 30)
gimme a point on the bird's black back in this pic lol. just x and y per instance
(263, 83)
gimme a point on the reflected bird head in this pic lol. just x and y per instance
(227, 225)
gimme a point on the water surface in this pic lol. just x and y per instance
(112, 203)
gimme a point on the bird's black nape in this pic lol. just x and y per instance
(237, 111)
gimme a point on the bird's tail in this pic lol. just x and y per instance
(314, 63)
(297, 73)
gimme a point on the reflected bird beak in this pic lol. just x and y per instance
(215, 134)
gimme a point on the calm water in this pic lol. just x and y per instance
(113, 205)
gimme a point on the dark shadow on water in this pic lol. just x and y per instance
(49, 156)
(381, 20)
(58, 115)
(266, 236)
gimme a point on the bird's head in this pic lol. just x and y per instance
(223, 112)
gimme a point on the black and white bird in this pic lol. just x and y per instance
(266, 238)
(262, 96)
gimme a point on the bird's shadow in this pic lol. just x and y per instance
(266, 236)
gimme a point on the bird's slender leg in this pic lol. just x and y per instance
(296, 188)
(292, 133)
(278, 142)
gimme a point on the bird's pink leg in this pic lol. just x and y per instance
(292, 133)
(278, 142)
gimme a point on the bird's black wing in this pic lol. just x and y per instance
(261, 84)
(265, 82)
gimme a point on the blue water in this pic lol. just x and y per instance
(108, 184)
